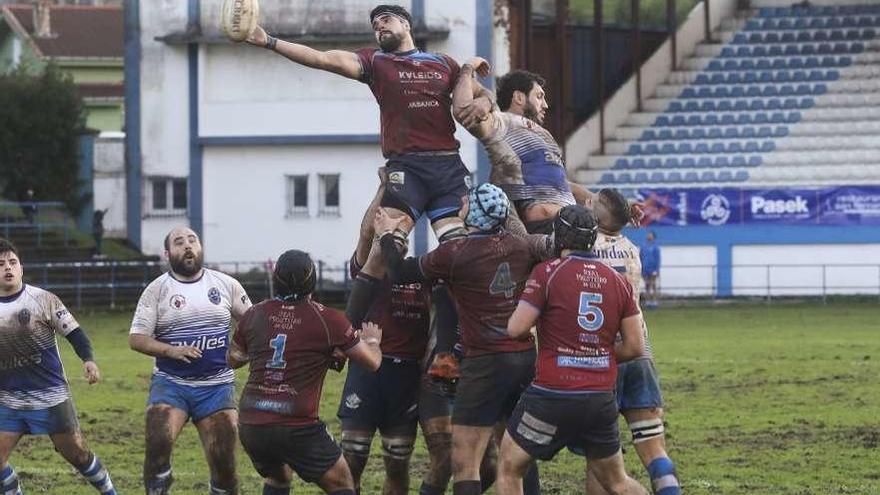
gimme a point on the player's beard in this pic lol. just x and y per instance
(186, 265)
(390, 42)
(531, 112)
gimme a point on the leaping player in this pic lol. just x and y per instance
(183, 320)
(414, 92)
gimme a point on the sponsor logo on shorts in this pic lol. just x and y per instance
(352, 401)
(24, 316)
(177, 301)
(214, 295)
(396, 177)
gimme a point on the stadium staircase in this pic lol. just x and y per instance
(59, 258)
(790, 95)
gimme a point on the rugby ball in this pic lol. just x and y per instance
(240, 18)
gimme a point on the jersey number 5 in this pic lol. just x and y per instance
(501, 282)
(590, 317)
(277, 344)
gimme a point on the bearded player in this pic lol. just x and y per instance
(183, 320)
(289, 342)
(386, 400)
(34, 393)
(638, 384)
(580, 305)
(414, 92)
(486, 271)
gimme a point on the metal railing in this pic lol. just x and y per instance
(97, 284)
(772, 280)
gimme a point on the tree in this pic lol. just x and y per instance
(41, 120)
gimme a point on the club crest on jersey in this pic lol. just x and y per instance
(352, 401)
(24, 316)
(214, 295)
(396, 177)
(177, 301)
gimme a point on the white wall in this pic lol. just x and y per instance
(798, 269)
(688, 270)
(108, 172)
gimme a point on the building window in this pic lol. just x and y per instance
(169, 196)
(328, 192)
(297, 195)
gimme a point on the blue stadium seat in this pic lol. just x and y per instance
(670, 163)
(657, 177)
(731, 133)
(634, 149)
(702, 79)
(752, 147)
(724, 106)
(725, 176)
(678, 120)
(661, 120)
(707, 176)
(651, 149)
(717, 148)
(621, 163)
(648, 135)
(705, 162)
(715, 133)
(755, 161)
(747, 132)
(737, 92)
(693, 106)
(787, 37)
(760, 118)
(607, 178)
(768, 146)
(638, 163)
(681, 149)
(738, 161)
(735, 147)
(675, 106)
(679, 134)
(694, 120)
(698, 133)
(721, 161)
(780, 131)
(688, 92)
(673, 177)
(691, 177)
(765, 132)
(726, 119)
(741, 176)
(665, 134)
(655, 163)
(688, 162)
(641, 177)
(793, 117)
(701, 149)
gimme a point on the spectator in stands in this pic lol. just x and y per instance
(98, 229)
(650, 255)
(29, 206)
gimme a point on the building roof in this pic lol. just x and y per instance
(78, 31)
(101, 90)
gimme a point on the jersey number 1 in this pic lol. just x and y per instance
(277, 344)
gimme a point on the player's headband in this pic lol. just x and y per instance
(392, 10)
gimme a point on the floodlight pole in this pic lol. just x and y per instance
(707, 21)
(671, 25)
(637, 51)
(599, 49)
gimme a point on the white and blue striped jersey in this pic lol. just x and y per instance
(527, 161)
(618, 252)
(197, 314)
(31, 373)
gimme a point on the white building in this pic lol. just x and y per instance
(257, 153)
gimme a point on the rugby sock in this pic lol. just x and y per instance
(274, 490)
(663, 477)
(160, 483)
(9, 481)
(364, 289)
(469, 487)
(427, 489)
(531, 483)
(97, 476)
(446, 319)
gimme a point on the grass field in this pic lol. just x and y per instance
(779, 399)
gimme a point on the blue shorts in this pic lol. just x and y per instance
(56, 419)
(386, 400)
(433, 185)
(197, 402)
(638, 386)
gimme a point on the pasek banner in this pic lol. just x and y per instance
(844, 205)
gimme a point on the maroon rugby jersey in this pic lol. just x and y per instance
(414, 92)
(486, 273)
(582, 303)
(290, 347)
(403, 312)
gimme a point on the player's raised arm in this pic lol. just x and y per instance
(400, 270)
(340, 62)
(471, 103)
(367, 232)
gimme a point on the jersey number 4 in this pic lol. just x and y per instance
(278, 344)
(590, 317)
(501, 282)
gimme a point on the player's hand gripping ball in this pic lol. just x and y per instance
(239, 18)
